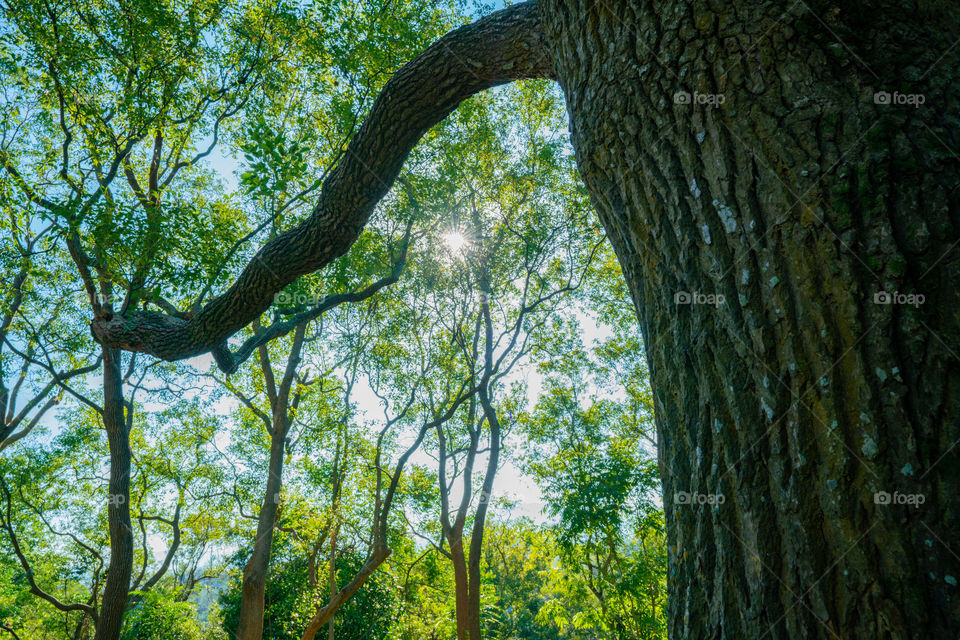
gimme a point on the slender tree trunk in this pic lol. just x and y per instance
(480, 517)
(466, 562)
(473, 621)
(252, 594)
(376, 558)
(332, 579)
(116, 589)
(461, 584)
(775, 154)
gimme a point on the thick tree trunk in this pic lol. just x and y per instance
(737, 149)
(116, 589)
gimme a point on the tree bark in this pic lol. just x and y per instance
(475, 556)
(332, 579)
(467, 577)
(738, 149)
(461, 583)
(116, 589)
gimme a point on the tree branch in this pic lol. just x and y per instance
(283, 327)
(505, 46)
(34, 588)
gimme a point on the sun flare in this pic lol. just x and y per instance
(456, 242)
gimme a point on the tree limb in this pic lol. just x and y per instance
(28, 571)
(505, 46)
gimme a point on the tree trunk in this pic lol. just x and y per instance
(738, 150)
(475, 556)
(461, 584)
(774, 161)
(250, 625)
(332, 579)
(472, 617)
(116, 589)
(252, 592)
(374, 560)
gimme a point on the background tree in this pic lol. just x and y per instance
(57, 533)
(277, 181)
(117, 114)
(37, 357)
(491, 282)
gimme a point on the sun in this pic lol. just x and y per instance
(456, 242)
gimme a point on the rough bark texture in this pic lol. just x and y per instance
(800, 199)
(499, 48)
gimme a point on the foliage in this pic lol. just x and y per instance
(593, 451)
(159, 616)
(290, 600)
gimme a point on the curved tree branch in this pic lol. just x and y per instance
(505, 46)
(284, 327)
(35, 589)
